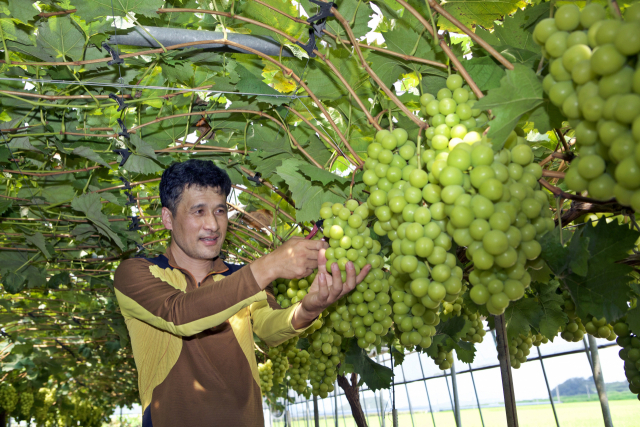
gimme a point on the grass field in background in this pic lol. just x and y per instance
(625, 413)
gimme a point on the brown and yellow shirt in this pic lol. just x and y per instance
(193, 342)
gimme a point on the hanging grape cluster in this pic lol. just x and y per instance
(8, 397)
(265, 371)
(492, 201)
(630, 354)
(599, 328)
(520, 347)
(593, 80)
(475, 334)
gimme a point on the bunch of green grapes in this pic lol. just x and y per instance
(498, 216)
(490, 202)
(26, 402)
(424, 271)
(593, 80)
(630, 354)
(265, 370)
(85, 413)
(366, 312)
(48, 397)
(519, 349)
(300, 361)
(599, 328)
(288, 292)
(8, 397)
(444, 359)
(574, 330)
(476, 333)
(325, 356)
(278, 356)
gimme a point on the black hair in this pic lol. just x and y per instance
(200, 173)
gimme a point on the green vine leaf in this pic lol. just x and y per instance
(90, 205)
(88, 153)
(520, 92)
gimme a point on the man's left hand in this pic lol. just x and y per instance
(326, 289)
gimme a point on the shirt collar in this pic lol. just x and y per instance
(218, 264)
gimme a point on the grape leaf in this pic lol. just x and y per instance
(633, 320)
(483, 13)
(520, 315)
(59, 279)
(90, 205)
(88, 153)
(603, 291)
(23, 11)
(12, 282)
(142, 148)
(59, 37)
(485, 71)
(89, 10)
(565, 259)
(4, 205)
(141, 164)
(552, 316)
(307, 196)
(465, 351)
(374, 375)
(520, 92)
(38, 241)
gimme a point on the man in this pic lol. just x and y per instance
(191, 316)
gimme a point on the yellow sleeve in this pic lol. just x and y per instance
(273, 325)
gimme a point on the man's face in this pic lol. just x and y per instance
(199, 224)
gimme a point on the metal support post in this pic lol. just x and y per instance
(364, 403)
(599, 380)
(406, 388)
(335, 401)
(475, 390)
(307, 416)
(316, 412)
(453, 408)
(505, 371)
(324, 410)
(456, 401)
(546, 381)
(427, 390)
(380, 410)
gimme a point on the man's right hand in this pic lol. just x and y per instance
(295, 259)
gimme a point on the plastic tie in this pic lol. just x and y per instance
(119, 100)
(256, 178)
(114, 54)
(124, 152)
(127, 184)
(318, 23)
(125, 131)
(135, 223)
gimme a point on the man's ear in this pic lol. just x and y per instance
(167, 218)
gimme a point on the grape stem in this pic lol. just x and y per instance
(558, 192)
(613, 5)
(447, 50)
(372, 74)
(561, 138)
(476, 38)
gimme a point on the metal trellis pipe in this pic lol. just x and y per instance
(599, 380)
(475, 391)
(427, 390)
(456, 401)
(546, 381)
(406, 388)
